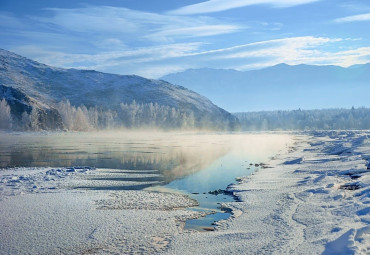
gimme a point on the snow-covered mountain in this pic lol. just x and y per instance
(44, 86)
(280, 87)
(21, 107)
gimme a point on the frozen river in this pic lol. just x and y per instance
(149, 193)
(199, 165)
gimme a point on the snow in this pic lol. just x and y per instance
(42, 212)
(299, 206)
(48, 85)
(17, 181)
(312, 199)
(72, 223)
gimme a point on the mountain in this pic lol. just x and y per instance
(47, 117)
(280, 87)
(41, 87)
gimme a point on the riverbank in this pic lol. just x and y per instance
(41, 213)
(104, 208)
(313, 200)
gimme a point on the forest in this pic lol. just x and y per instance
(131, 116)
(135, 115)
(324, 119)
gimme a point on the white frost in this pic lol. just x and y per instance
(313, 199)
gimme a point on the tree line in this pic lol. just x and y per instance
(133, 115)
(152, 115)
(127, 115)
(326, 119)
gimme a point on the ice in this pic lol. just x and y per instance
(15, 181)
(319, 205)
(298, 206)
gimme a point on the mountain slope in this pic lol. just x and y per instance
(49, 85)
(22, 106)
(280, 87)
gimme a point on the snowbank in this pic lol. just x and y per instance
(78, 210)
(21, 180)
(314, 200)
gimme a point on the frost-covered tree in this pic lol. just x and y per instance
(66, 111)
(5, 116)
(93, 117)
(35, 119)
(76, 119)
(133, 115)
(25, 123)
(326, 119)
(81, 121)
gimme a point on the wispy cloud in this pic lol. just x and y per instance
(129, 23)
(160, 70)
(126, 41)
(9, 21)
(355, 6)
(104, 60)
(285, 49)
(156, 61)
(198, 31)
(354, 18)
(295, 50)
(223, 5)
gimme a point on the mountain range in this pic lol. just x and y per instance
(280, 87)
(27, 85)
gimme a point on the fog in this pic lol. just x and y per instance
(126, 116)
(173, 154)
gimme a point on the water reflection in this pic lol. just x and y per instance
(172, 154)
(190, 163)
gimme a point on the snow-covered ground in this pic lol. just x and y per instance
(42, 212)
(313, 199)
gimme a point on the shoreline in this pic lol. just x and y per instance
(313, 199)
(298, 206)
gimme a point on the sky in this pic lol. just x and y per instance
(153, 38)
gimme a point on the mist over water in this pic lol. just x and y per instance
(173, 154)
(191, 163)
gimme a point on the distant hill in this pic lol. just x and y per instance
(280, 87)
(41, 87)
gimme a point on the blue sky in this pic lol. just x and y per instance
(154, 38)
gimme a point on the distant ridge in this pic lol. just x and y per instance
(280, 87)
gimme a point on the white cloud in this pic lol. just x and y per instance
(156, 61)
(286, 48)
(103, 61)
(223, 5)
(160, 70)
(293, 51)
(128, 24)
(267, 48)
(194, 31)
(353, 18)
(110, 43)
(357, 6)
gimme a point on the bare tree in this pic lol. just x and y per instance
(5, 116)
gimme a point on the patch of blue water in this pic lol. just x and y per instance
(217, 176)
